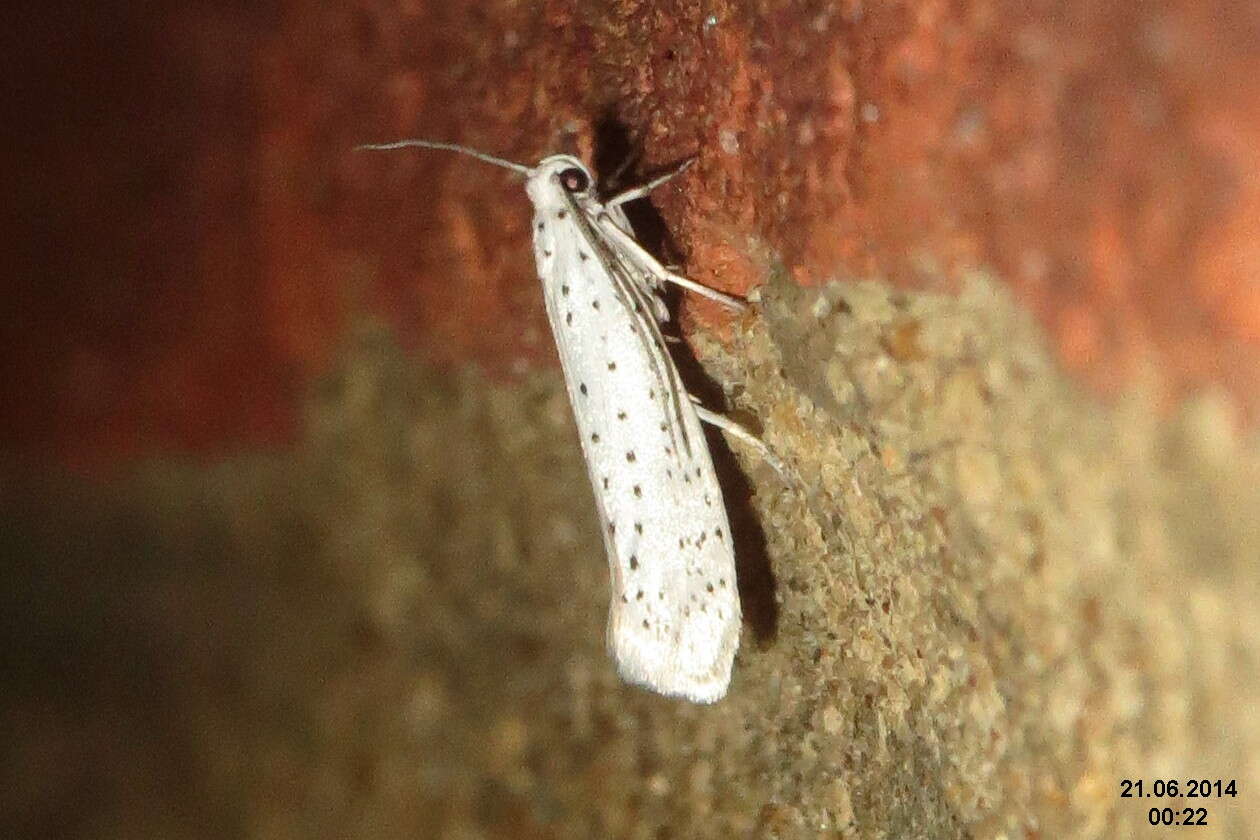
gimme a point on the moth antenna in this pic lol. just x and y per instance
(450, 147)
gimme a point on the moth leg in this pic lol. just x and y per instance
(621, 169)
(735, 430)
(712, 294)
(642, 190)
(659, 309)
(649, 264)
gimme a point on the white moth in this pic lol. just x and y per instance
(675, 619)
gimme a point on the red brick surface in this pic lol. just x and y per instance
(193, 228)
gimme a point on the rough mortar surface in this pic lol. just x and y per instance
(988, 602)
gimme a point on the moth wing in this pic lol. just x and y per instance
(647, 273)
(674, 619)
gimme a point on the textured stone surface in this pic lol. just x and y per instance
(990, 602)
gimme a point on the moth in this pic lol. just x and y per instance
(674, 621)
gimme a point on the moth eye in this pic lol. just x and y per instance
(575, 180)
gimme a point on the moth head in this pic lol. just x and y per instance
(567, 171)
